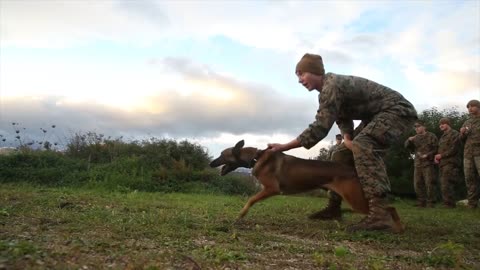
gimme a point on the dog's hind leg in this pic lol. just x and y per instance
(265, 193)
(398, 227)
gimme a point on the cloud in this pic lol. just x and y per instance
(212, 105)
(59, 24)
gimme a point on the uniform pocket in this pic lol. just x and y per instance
(386, 128)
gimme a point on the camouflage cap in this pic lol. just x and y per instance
(445, 120)
(312, 63)
(473, 102)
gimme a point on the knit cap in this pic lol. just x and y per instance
(312, 63)
(474, 102)
(445, 120)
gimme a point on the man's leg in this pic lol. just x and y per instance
(471, 168)
(333, 208)
(419, 186)
(448, 175)
(430, 177)
(369, 148)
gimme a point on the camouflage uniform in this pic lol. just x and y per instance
(332, 150)
(386, 115)
(471, 159)
(449, 147)
(424, 174)
(343, 155)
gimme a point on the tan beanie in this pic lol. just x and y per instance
(474, 102)
(445, 120)
(312, 63)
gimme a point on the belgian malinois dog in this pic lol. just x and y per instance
(284, 174)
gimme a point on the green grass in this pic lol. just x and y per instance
(67, 228)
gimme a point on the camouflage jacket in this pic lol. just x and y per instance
(332, 149)
(449, 147)
(346, 98)
(472, 137)
(426, 144)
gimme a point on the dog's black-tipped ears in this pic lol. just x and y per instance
(236, 149)
(240, 144)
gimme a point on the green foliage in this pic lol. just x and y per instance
(324, 154)
(74, 228)
(42, 167)
(341, 251)
(16, 249)
(154, 153)
(96, 161)
(448, 254)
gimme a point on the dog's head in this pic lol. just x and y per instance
(232, 158)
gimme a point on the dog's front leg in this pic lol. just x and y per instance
(265, 193)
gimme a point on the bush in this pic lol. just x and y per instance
(121, 174)
(42, 167)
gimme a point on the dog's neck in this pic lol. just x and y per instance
(250, 155)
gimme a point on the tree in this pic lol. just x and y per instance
(323, 154)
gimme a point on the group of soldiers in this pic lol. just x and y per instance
(430, 152)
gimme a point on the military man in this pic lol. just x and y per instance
(425, 146)
(470, 133)
(338, 141)
(449, 160)
(339, 153)
(385, 113)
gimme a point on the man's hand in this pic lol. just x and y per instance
(347, 141)
(437, 158)
(411, 138)
(276, 147)
(464, 130)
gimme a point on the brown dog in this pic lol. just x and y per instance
(283, 174)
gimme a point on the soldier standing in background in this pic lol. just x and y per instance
(339, 153)
(386, 115)
(449, 160)
(424, 144)
(470, 133)
(338, 141)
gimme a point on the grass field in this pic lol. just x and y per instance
(47, 228)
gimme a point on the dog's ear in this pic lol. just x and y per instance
(240, 144)
(237, 147)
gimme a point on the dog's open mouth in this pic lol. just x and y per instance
(228, 168)
(225, 169)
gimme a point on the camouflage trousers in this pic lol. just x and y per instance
(370, 147)
(424, 184)
(449, 176)
(471, 167)
(345, 156)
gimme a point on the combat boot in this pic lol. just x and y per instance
(331, 211)
(472, 206)
(379, 218)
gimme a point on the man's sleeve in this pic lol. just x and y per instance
(433, 141)
(346, 127)
(326, 115)
(409, 144)
(454, 143)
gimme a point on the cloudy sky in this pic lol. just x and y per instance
(215, 72)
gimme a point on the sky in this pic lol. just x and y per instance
(216, 72)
